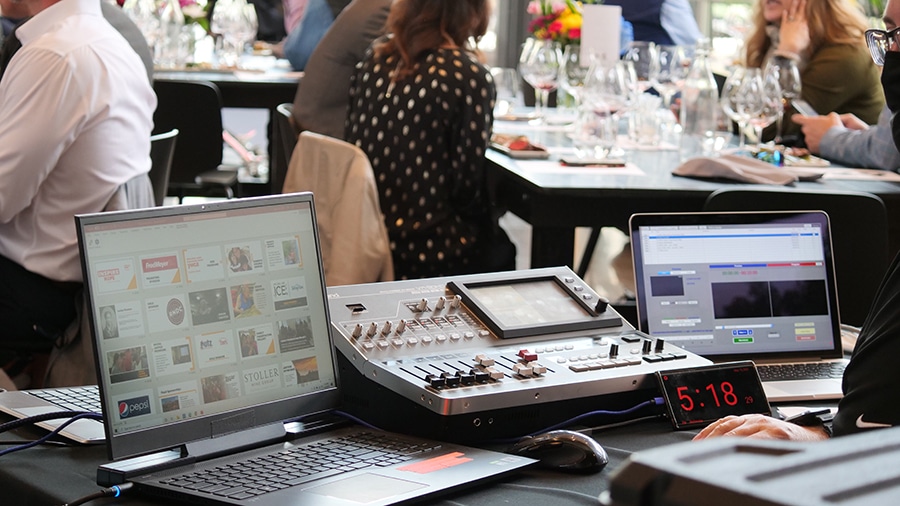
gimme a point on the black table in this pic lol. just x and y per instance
(55, 475)
(555, 203)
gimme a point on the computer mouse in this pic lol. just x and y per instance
(564, 450)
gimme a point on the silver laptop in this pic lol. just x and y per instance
(745, 286)
(28, 403)
(219, 381)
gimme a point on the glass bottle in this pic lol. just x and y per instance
(171, 27)
(699, 106)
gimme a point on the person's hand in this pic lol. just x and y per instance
(853, 123)
(814, 128)
(794, 31)
(760, 427)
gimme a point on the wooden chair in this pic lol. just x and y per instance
(859, 235)
(194, 108)
(162, 152)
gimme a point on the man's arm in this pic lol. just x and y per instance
(872, 147)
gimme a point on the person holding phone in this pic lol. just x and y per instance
(826, 39)
(848, 140)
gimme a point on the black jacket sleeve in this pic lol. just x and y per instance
(872, 378)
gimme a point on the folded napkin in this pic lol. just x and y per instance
(737, 168)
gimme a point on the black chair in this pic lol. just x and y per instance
(859, 235)
(195, 109)
(162, 152)
(285, 135)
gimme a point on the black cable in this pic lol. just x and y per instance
(113, 491)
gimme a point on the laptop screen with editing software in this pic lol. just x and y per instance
(209, 319)
(737, 285)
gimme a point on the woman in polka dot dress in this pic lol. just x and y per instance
(421, 107)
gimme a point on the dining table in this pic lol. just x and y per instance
(260, 82)
(555, 199)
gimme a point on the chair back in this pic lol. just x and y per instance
(285, 134)
(194, 108)
(352, 233)
(162, 152)
(859, 235)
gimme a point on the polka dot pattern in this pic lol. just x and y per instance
(426, 138)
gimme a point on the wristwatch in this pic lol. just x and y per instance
(814, 418)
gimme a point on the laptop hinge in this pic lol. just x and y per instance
(116, 473)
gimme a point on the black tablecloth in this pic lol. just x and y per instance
(54, 475)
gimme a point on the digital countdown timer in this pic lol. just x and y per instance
(698, 396)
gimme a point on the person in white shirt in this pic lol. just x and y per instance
(77, 113)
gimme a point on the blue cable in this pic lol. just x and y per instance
(75, 415)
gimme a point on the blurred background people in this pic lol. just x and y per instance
(826, 39)
(328, 72)
(78, 111)
(668, 22)
(318, 15)
(422, 110)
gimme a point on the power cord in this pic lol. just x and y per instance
(71, 415)
(656, 401)
(113, 491)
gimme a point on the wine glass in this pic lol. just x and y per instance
(642, 54)
(506, 81)
(668, 71)
(572, 71)
(731, 100)
(762, 100)
(539, 65)
(788, 76)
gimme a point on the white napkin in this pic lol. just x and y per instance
(736, 168)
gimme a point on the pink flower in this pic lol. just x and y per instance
(534, 8)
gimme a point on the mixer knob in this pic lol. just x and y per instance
(455, 302)
(527, 355)
(466, 378)
(435, 380)
(373, 328)
(480, 376)
(602, 304)
(645, 349)
(387, 328)
(401, 327)
(493, 373)
(439, 305)
(452, 379)
(357, 331)
(484, 360)
(422, 305)
(523, 370)
(537, 368)
(660, 345)
(613, 350)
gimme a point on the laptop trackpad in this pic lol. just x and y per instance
(366, 488)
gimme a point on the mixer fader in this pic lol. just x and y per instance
(469, 351)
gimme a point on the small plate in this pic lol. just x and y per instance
(536, 153)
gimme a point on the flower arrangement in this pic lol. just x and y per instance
(557, 20)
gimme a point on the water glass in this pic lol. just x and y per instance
(506, 82)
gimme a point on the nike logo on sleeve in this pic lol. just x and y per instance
(862, 424)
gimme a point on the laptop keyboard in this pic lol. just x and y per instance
(301, 464)
(802, 371)
(86, 398)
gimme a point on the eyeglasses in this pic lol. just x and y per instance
(879, 42)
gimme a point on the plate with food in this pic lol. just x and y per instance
(518, 146)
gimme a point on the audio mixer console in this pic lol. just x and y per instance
(488, 356)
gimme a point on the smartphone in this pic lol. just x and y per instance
(803, 107)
